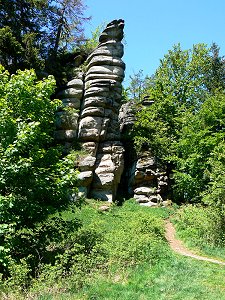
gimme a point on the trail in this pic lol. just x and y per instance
(177, 246)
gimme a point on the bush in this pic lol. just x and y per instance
(69, 249)
(35, 179)
(50, 252)
(135, 236)
(201, 226)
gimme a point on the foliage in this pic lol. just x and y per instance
(215, 192)
(215, 77)
(137, 237)
(90, 44)
(69, 249)
(105, 271)
(200, 138)
(201, 227)
(155, 127)
(52, 251)
(185, 122)
(181, 76)
(177, 87)
(136, 88)
(38, 30)
(35, 179)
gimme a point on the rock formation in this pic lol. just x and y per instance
(68, 115)
(99, 127)
(92, 113)
(144, 178)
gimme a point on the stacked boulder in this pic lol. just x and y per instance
(92, 113)
(144, 177)
(102, 167)
(150, 182)
(67, 117)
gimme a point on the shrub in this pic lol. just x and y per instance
(201, 226)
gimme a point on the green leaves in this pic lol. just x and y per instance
(34, 34)
(186, 123)
(35, 179)
(199, 139)
(182, 75)
(31, 168)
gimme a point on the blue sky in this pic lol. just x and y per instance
(153, 27)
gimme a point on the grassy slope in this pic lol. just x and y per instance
(135, 275)
(201, 229)
(138, 263)
(174, 278)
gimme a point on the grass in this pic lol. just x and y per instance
(201, 229)
(173, 278)
(139, 264)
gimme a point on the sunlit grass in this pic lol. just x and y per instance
(133, 271)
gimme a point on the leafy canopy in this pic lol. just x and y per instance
(184, 125)
(33, 31)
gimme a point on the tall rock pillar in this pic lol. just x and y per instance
(99, 129)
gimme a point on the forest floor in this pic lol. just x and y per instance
(177, 245)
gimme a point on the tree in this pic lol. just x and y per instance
(198, 162)
(178, 88)
(41, 30)
(88, 45)
(185, 123)
(182, 75)
(214, 193)
(137, 86)
(215, 78)
(34, 179)
(67, 23)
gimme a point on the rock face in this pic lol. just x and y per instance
(98, 127)
(150, 182)
(92, 113)
(67, 117)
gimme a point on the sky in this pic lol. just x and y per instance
(152, 27)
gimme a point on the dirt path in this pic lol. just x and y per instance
(177, 246)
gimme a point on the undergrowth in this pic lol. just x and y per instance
(202, 228)
(122, 254)
(77, 244)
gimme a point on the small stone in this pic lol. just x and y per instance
(104, 208)
(144, 191)
(149, 204)
(141, 198)
(85, 178)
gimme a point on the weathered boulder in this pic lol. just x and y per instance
(85, 178)
(67, 117)
(92, 128)
(127, 116)
(149, 181)
(145, 191)
(87, 163)
(66, 120)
